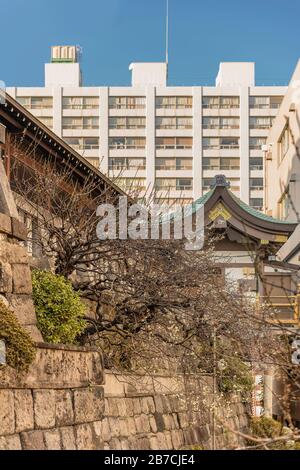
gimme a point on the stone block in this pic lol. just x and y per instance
(153, 425)
(23, 308)
(5, 223)
(147, 405)
(131, 425)
(129, 406)
(115, 444)
(13, 253)
(106, 432)
(19, 229)
(123, 426)
(52, 440)
(23, 410)
(7, 412)
(154, 445)
(124, 444)
(44, 408)
(177, 439)
(122, 409)
(10, 442)
(87, 437)
(142, 424)
(114, 427)
(33, 440)
(22, 283)
(88, 404)
(168, 440)
(5, 278)
(64, 415)
(67, 438)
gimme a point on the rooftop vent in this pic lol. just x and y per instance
(65, 54)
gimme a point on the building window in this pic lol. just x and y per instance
(221, 163)
(127, 142)
(127, 102)
(127, 122)
(170, 164)
(220, 143)
(265, 102)
(80, 122)
(284, 143)
(36, 102)
(174, 102)
(47, 121)
(221, 102)
(83, 143)
(284, 205)
(132, 184)
(257, 203)
(174, 143)
(174, 123)
(256, 183)
(256, 163)
(127, 163)
(220, 122)
(256, 143)
(80, 102)
(174, 184)
(261, 122)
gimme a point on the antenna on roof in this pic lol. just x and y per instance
(167, 38)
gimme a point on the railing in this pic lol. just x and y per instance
(124, 126)
(80, 106)
(126, 146)
(287, 307)
(265, 106)
(127, 106)
(173, 168)
(220, 167)
(220, 106)
(179, 126)
(126, 167)
(256, 167)
(173, 147)
(260, 126)
(220, 126)
(256, 188)
(220, 147)
(80, 126)
(174, 106)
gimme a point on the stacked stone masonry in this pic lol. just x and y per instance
(15, 274)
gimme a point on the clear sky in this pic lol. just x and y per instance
(114, 33)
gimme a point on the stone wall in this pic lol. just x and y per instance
(168, 412)
(58, 404)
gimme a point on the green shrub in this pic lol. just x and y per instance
(20, 350)
(265, 427)
(269, 428)
(58, 307)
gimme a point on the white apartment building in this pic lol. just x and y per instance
(154, 136)
(282, 155)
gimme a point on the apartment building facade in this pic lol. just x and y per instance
(282, 156)
(171, 140)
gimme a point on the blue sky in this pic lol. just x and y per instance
(114, 33)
